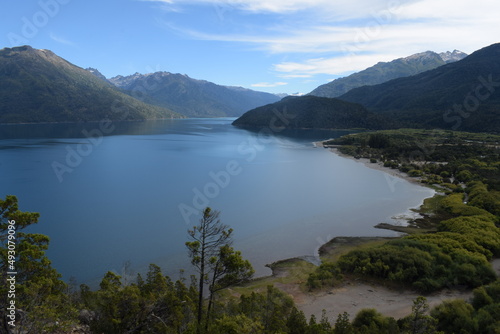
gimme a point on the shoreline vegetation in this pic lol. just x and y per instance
(450, 254)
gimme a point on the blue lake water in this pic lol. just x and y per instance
(132, 193)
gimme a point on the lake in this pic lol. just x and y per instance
(116, 193)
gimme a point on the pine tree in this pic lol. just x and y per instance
(207, 238)
(39, 293)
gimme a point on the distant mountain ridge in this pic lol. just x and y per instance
(312, 112)
(461, 95)
(39, 86)
(450, 57)
(96, 72)
(191, 97)
(385, 71)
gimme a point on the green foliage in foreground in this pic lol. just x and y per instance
(147, 306)
(481, 316)
(421, 263)
(40, 297)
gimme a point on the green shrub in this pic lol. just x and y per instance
(415, 173)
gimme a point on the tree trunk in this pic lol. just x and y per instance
(211, 298)
(201, 283)
(210, 302)
(200, 298)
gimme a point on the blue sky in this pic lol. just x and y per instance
(269, 45)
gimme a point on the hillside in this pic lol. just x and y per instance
(462, 95)
(191, 97)
(312, 112)
(385, 71)
(38, 86)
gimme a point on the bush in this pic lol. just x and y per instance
(327, 274)
(455, 316)
(415, 173)
(431, 261)
(391, 164)
(479, 229)
(370, 321)
(378, 140)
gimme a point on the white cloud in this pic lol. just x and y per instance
(339, 9)
(293, 76)
(275, 6)
(61, 40)
(342, 36)
(268, 84)
(341, 65)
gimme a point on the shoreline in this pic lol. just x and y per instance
(377, 165)
(94, 121)
(408, 214)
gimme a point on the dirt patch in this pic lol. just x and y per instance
(496, 266)
(353, 297)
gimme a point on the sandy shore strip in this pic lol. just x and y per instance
(355, 296)
(377, 166)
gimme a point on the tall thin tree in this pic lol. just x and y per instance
(206, 240)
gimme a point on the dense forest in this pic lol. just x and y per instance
(312, 112)
(451, 247)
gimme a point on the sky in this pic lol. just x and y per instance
(277, 46)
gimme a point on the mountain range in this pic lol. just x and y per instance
(38, 86)
(385, 71)
(462, 95)
(191, 97)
